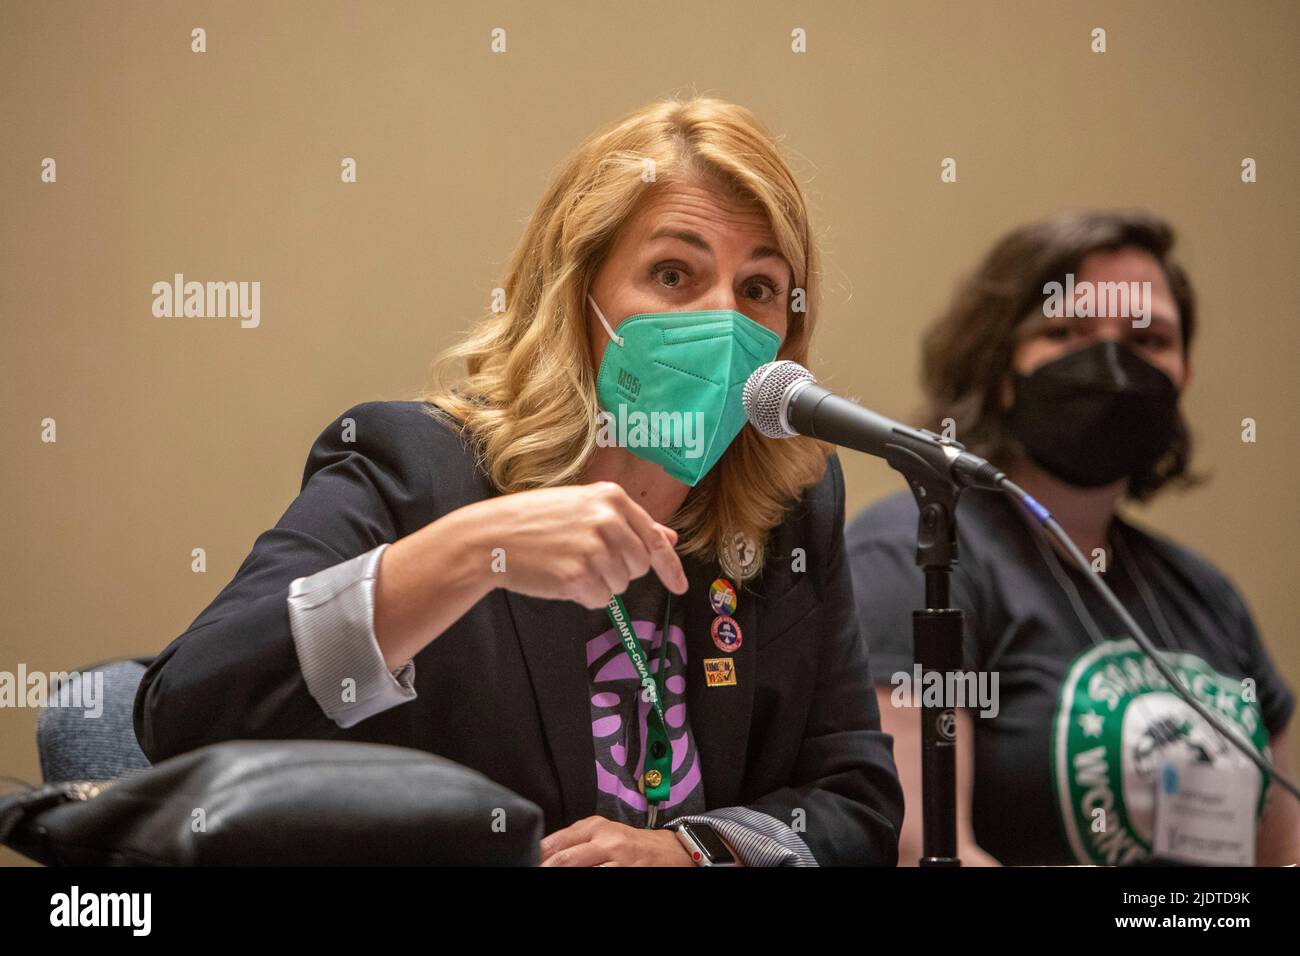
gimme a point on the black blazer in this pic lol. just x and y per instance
(504, 690)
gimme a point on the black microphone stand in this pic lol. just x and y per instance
(936, 639)
(936, 470)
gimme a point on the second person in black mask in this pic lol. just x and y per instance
(1062, 360)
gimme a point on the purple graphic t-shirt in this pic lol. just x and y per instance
(619, 716)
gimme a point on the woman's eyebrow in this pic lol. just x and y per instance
(1164, 319)
(695, 239)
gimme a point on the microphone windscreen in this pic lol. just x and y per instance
(765, 396)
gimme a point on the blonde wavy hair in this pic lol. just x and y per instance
(528, 395)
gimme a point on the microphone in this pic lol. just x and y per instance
(782, 400)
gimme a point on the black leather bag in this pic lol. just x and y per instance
(279, 802)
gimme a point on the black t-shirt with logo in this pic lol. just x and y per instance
(1084, 720)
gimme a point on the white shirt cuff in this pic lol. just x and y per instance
(331, 615)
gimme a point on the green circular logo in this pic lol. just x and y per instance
(1117, 724)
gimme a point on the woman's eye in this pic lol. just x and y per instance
(760, 285)
(671, 276)
(1057, 333)
(1154, 342)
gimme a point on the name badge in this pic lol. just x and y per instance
(1206, 814)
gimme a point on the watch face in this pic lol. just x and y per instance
(714, 849)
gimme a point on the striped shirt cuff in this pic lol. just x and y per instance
(331, 615)
(758, 838)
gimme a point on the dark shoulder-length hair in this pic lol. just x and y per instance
(968, 352)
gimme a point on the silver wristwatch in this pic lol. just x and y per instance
(704, 845)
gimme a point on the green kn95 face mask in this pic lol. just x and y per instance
(670, 385)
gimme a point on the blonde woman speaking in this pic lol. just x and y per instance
(574, 568)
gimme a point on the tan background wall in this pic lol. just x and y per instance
(183, 433)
